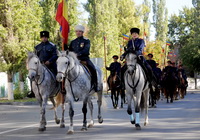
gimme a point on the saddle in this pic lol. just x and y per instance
(84, 64)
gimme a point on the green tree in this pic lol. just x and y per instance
(160, 19)
(48, 21)
(19, 20)
(160, 22)
(103, 22)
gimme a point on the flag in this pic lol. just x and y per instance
(126, 37)
(168, 43)
(62, 19)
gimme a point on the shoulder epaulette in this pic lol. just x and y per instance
(85, 38)
(52, 43)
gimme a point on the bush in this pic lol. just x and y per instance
(18, 96)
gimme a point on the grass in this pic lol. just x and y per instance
(21, 100)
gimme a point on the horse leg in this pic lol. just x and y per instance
(71, 115)
(90, 104)
(112, 95)
(99, 102)
(117, 97)
(167, 93)
(55, 110)
(172, 92)
(62, 124)
(43, 122)
(137, 110)
(122, 98)
(146, 101)
(129, 109)
(84, 110)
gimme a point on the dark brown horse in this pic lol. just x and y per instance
(169, 85)
(114, 82)
(182, 87)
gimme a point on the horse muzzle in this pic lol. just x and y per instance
(59, 77)
(32, 76)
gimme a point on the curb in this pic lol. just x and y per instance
(20, 103)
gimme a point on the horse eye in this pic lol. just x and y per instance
(65, 62)
(35, 62)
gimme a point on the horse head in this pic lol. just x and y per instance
(65, 63)
(131, 61)
(33, 64)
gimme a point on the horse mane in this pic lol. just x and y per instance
(31, 55)
(73, 56)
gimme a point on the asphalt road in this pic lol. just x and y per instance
(178, 120)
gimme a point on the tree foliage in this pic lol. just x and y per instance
(184, 32)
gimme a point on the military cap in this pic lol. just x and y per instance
(150, 55)
(115, 57)
(44, 34)
(135, 30)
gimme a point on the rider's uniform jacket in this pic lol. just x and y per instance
(46, 52)
(81, 46)
(139, 45)
(115, 67)
(152, 63)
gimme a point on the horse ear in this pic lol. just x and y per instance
(67, 52)
(58, 53)
(30, 54)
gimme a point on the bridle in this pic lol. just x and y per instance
(70, 81)
(67, 71)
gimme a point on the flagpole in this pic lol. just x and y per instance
(105, 57)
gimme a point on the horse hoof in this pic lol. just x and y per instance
(90, 125)
(145, 124)
(57, 121)
(137, 126)
(42, 129)
(84, 129)
(62, 125)
(70, 132)
(133, 122)
(100, 120)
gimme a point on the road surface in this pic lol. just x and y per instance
(178, 120)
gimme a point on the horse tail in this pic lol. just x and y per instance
(142, 103)
(57, 101)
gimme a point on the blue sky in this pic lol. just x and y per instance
(173, 6)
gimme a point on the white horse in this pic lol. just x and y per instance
(78, 85)
(44, 86)
(137, 88)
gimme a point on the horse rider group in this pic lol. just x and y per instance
(47, 53)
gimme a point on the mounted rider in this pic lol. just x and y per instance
(114, 68)
(137, 45)
(81, 46)
(47, 52)
(180, 68)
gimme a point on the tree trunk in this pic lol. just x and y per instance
(21, 82)
(10, 86)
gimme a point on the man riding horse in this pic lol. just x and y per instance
(115, 69)
(136, 44)
(81, 46)
(47, 54)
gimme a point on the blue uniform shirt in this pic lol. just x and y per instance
(115, 67)
(46, 51)
(81, 46)
(139, 45)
